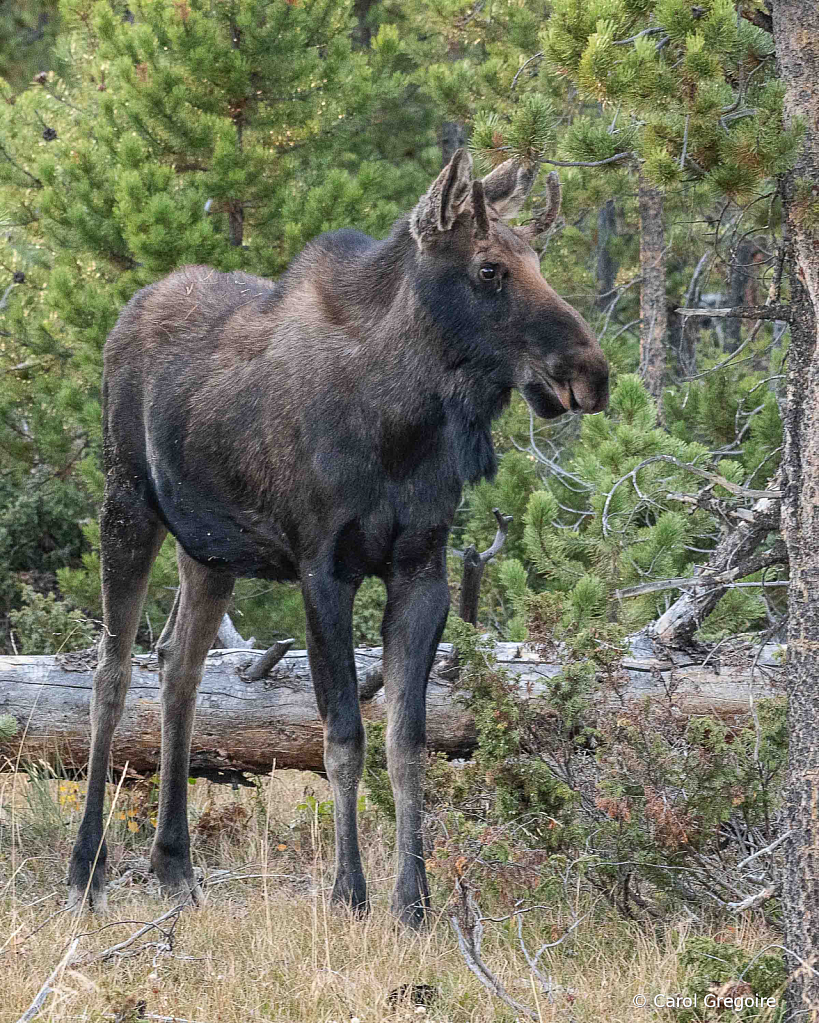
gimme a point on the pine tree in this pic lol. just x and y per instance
(169, 133)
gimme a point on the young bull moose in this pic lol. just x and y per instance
(320, 429)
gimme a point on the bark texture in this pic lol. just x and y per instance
(796, 37)
(607, 266)
(653, 315)
(246, 726)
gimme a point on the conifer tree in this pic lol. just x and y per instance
(169, 133)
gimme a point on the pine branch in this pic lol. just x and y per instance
(22, 170)
(657, 30)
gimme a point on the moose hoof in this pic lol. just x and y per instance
(84, 888)
(176, 877)
(350, 891)
(410, 903)
(94, 898)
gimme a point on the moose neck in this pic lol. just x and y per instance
(410, 320)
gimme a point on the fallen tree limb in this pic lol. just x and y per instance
(246, 726)
(230, 637)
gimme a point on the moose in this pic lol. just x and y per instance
(320, 429)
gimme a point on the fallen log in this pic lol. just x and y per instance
(248, 726)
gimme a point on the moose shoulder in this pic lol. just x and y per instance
(321, 428)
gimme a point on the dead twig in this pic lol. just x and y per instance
(46, 989)
(466, 922)
(762, 852)
(151, 925)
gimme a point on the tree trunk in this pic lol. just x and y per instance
(744, 270)
(362, 33)
(652, 290)
(248, 726)
(796, 37)
(607, 266)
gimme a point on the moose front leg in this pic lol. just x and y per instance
(417, 607)
(328, 603)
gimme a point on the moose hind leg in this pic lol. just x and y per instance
(130, 538)
(202, 599)
(329, 607)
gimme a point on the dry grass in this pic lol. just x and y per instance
(267, 945)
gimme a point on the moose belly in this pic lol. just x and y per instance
(221, 537)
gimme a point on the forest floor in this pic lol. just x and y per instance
(268, 945)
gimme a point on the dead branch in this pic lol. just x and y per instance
(372, 684)
(707, 582)
(713, 477)
(730, 559)
(466, 922)
(475, 563)
(743, 312)
(230, 638)
(754, 901)
(268, 661)
(766, 851)
(534, 961)
(171, 914)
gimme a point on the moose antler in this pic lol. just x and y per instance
(546, 215)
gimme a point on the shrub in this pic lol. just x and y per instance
(46, 625)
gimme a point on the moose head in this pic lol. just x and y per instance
(501, 306)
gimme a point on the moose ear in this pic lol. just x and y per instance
(544, 216)
(447, 196)
(507, 187)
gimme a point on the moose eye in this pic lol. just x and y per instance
(488, 272)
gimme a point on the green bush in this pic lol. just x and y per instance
(46, 625)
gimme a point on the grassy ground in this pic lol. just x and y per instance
(267, 945)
